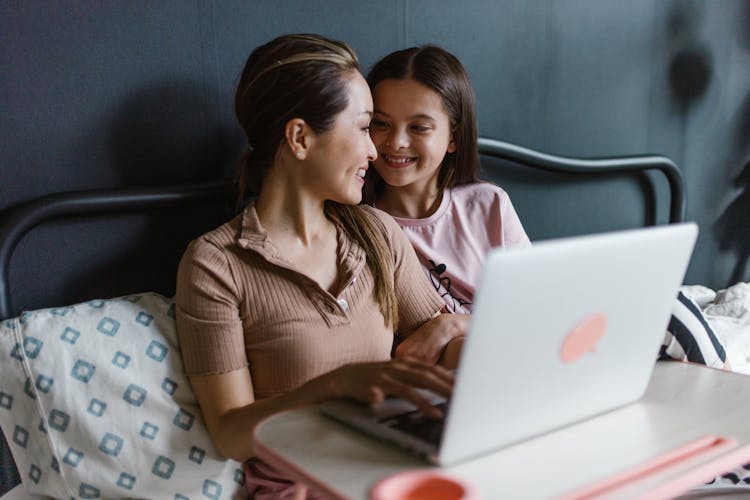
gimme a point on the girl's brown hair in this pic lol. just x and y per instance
(442, 72)
(305, 76)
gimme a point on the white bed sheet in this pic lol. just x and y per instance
(728, 313)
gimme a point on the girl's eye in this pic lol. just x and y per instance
(378, 125)
(420, 128)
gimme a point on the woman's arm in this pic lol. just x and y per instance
(231, 412)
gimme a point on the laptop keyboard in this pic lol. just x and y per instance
(417, 425)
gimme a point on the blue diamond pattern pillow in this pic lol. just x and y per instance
(94, 404)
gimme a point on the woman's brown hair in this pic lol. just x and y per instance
(305, 76)
(442, 72)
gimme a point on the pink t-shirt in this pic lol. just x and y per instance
(452, 243)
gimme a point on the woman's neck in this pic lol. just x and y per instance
(290, 214)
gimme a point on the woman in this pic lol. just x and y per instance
(297, 299)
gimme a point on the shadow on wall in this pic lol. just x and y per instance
(691, 64)
(732, 228)
(690, 74)
(744, 25)
(690, 67)
(164, 134)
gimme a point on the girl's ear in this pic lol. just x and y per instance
(452, 144)
(297, 136)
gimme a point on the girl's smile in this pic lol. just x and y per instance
(398, 161)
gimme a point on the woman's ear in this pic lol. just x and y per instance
(297, 136)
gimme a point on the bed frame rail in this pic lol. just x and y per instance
(18, 220)
(587, 166)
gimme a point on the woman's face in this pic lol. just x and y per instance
(411, 131)
(342, 154)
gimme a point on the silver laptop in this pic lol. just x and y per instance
(560, 332)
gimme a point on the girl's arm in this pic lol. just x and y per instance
(231, 412)
(417, 338)
(430, 341)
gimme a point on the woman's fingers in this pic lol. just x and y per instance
(425, 375)
(371, 382)
(375, 396)
(419, 399)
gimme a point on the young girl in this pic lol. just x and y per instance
(426, 177)
(297, 299)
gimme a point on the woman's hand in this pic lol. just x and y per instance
(372, 382)
(231, 412)
(429, 341)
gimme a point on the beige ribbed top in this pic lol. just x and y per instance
(239, 303)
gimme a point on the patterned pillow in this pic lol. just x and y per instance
(94, 404)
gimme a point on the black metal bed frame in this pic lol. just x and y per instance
(17, 221)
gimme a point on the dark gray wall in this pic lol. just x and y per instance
(99, 94)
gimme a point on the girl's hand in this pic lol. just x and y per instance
(428, 342)
(372, 382)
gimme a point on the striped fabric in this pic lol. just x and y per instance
(690, 338)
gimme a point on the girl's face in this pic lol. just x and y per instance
(412, 133)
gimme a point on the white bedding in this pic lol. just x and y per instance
(728, 313)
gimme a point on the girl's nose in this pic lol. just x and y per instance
(398, 138)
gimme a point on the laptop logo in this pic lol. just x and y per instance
(583, 338)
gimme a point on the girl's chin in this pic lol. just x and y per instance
(390, 173)
(396, 180)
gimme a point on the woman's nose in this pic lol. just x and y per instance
(372, 152)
